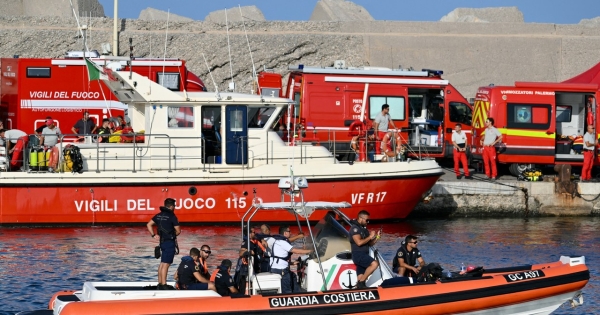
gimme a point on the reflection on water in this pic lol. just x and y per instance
(36, 262)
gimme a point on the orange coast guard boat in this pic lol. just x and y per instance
(208, 151)
(329, 279)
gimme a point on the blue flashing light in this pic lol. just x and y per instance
(300, 67)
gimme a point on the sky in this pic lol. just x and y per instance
(536, 11)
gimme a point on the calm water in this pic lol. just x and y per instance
(36, 262)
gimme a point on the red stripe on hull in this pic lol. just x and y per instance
(212, 203)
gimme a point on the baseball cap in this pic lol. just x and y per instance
(49, 122)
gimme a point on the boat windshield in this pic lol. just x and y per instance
(331, 237)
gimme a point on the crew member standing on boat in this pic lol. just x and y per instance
(188, 273)
(257, 251)
(167, 230)
(85, 126)
(407, 257)
(383, 121)
(281, 250)
(360, 240)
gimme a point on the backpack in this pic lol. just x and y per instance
(430, 273)
(73, 159)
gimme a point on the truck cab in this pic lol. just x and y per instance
(330, 102)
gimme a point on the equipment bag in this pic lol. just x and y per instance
(73, 161)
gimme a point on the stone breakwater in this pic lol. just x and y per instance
(471, 54)
(508, 198)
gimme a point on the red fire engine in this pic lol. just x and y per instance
(541, 123)
(33, 88)
(332, 103)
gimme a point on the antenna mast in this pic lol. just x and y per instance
(231, 84)
(254, 77)
(165, 53)
(211, 77)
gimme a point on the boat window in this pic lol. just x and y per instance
(460, 113)
(397, 106)
(258, 117)
(180, 117)
(563, 113)
(529, 116)
(270, 92)
(170, 80)
(236, 120)
(35, 72)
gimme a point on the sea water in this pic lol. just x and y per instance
(37, 262)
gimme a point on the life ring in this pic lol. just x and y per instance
(357, 128)
(17, 156)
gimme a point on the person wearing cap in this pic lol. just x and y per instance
(407, 257)
(50, 134)
(84, 126)
(223, 282)
(167, 231)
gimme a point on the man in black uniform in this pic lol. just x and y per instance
(406, 258)
(223, 281)
(167, 230)
(188, 273)
(257, 251)
(360, 240)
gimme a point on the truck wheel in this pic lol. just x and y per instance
(516, 169)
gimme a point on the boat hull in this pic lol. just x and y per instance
(114, 201)
(541, 292)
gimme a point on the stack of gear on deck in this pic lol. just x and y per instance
(530, 175)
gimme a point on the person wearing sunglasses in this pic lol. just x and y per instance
(407, 257)
(188, 275)
(281, 251)
(360, 241)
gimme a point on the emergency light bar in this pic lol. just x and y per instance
(386, 80)
(363, 71)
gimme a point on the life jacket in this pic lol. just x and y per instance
(204, 269)
(213, 276)
(278, 238)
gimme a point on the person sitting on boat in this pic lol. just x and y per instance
(223, 282)
(360, 241)
(105, 131)
(168, 229)
(407, 257)
(281, 250)
(188, 275)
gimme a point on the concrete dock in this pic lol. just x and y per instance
(508, 197)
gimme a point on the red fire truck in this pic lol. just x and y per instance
(33, 88)
(331, 102)
(541, 123)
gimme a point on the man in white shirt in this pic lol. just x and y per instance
(50, 134)
(459, 141)
(11, 137)
(589, 143)
(280, 250)
(488, 142)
